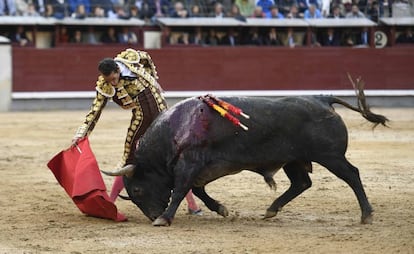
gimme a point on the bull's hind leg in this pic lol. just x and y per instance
(350, 174)
(298, 174)
(211, 204)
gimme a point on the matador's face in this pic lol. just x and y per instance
(112, 78)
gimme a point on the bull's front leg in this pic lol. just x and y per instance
(184, 172)
(167, 217)
(211, 203)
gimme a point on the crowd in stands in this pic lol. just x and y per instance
(150, 10)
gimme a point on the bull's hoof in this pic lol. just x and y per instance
(367, 219)
(161, 222)
(222, 210)
(269, 214)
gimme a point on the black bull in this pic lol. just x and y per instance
(191, 145)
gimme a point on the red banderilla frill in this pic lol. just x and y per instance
(233, 109)
(211, 102)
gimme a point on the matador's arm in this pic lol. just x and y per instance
(104, 92)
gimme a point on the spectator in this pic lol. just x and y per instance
(330, 38)
(347, 7)
(179, 11)
(197, 37)
(109, 36)
(183, 38)
(405, 37)
(162, 8)
(294, 13)
(266, 6)
(30, 11)
(56, 8)
(254, 37)
(8, 7)
(246, 7)
(325, 8)
(312, 13)
(286, 5)
(73, 6)
(91, 36)
(231, 38)
(77, 37)
(22, 7)
(212, 39)
(127, 36)
(275, 14)
(355, 13)
(302, 5)
(372, 10)
(196, 11)
(336, 13)
(118, 12)
(317, 3)
(226, 4)
(63, 35)
(272, 38)
(258, 12)
(218, 11)
(363, 39)
(98, 12)
(20, 37)
(146, 12)
(362, 4)
(105, 5)
(134, 12)
(203, 5)
(337, 3)
(349, 38)
(313, 42)
(80, 12)
(291, 40)
(235, 13)
(167, 37)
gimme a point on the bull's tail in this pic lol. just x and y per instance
(363, 107)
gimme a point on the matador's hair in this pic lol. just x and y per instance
(107, 65)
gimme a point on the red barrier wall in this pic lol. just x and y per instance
(222, 68)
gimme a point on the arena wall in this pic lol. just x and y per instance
(221, 68)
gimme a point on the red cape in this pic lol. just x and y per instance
(77, 171)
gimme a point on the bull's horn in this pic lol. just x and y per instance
(127, 171)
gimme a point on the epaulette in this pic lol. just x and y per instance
(129, 57)
(104, 88)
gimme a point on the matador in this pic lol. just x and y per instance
(129, 80)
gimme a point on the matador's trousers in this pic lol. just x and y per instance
(142, 117)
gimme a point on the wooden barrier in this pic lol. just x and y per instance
(221, 68)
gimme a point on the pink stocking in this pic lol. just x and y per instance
(191, 202)
(117, 187)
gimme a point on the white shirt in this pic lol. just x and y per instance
(125, 71)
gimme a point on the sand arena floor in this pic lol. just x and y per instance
(38, 217)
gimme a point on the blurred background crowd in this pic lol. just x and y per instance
(150, 9)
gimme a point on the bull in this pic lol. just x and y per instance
(191, 145)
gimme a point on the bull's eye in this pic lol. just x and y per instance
(138, 191)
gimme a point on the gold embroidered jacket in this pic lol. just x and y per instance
(125, 92)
